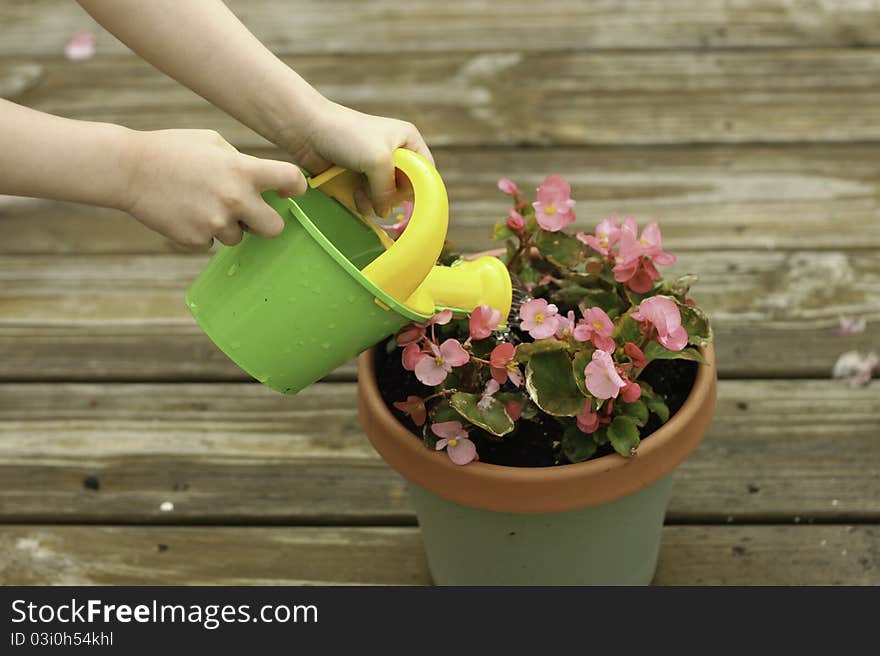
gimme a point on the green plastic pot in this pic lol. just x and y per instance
(597, 522)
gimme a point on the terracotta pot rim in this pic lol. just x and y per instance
(537, 489)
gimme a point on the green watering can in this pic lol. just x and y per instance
(291, 309)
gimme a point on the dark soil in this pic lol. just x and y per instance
(533, 443)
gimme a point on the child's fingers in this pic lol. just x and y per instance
(262, 220)
(275, 174)
(381, 177)
(230, 234)
(415, 142)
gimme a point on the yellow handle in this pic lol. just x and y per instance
(401, 269)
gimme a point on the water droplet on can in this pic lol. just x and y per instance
(233, 269)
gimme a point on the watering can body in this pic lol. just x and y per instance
(291, 309)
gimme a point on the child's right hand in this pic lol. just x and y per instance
(193, 186)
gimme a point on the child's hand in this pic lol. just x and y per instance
(360, 142)
(192, 186)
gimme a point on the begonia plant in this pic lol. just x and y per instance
(591, 314)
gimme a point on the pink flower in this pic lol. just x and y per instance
(850, 326)
(631, 392)
(396, 229)
(601, 376)
(80, 47)
(553, 209)
(502, 365)
(508, 187)
(486, 399)
(565, 329)
(855, 367)
(636, 355)
(515, 221)
(539, 318)
(514, 409)
(454, 438)
(587, 420)
(432, 368)
(440, 319)
(412, 333)
(663, 314)
(638, 256)
(596, 327)
(483, 321)
(411, 355)
(414, 406)
(607, 234)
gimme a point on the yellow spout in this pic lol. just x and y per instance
(467, 285)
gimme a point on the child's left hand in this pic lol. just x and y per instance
(360, 142)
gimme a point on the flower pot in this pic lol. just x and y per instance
(597, 522)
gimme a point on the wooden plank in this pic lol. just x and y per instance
(123, 317)
(690, 555)
(778, 451)
(704, 197)
(352, 26)
(518, 98)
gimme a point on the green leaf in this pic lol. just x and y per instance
(580, 362)
(601, 435)
(624, 435)
(627, 330)
(577, 445)
(511, 248)
(528, 273)
(658, 407)
(656, 351)
(696, 323)
(492, 418)
(525, 351)
(561, 249)
(678, 287)
(579, 296)
(501, 231)
(637, 411)
(443, 411)
(551, 386)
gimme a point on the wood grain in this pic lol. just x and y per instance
(42, 27)
(690, 555)
(778, 451)
(123, 317)
(522, 98)
(821, 197)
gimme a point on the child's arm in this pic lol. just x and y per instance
(204, 46)
(190, 185)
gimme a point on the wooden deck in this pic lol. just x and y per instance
(133, 452)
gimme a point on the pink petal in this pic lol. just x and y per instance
(453, 354)
(676, 340)
(502, 354)
(80, 47)
(463, 452)
(441, 318)
(429, 372)
(515, 376)
(448, 429)
(491, 387)
(529, 310)
(631, 392)
(508, 187)
(411, 356)
(441, 444)
(545, 329)
(587, 420)
(601, 377)
(513, 409)
(604, 343)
